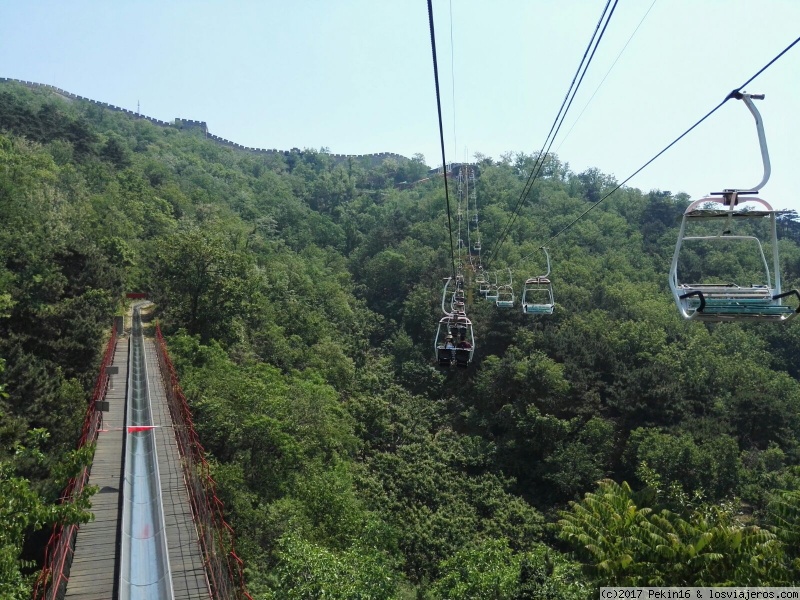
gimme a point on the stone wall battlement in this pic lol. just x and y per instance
(192, 125)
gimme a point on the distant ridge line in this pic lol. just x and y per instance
(189, 124)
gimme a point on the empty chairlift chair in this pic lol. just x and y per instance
(537, 294)
(505, 297)
(491, 295)
(728, 239)
(505, 294)
(706, 298)
(483, 283)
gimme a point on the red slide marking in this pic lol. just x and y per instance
(138, 428)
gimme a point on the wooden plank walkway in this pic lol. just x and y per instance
(189, 580)
(93, 573)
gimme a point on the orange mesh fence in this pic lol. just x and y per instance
(52, 581)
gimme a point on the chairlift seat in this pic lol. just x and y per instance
(445, 356)
(453, 326)
(538, 309)
(730, 302)
(718, 310)
(720, 302)
(538, 288)
(505, 297)
(718, 213)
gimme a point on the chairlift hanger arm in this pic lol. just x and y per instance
(547, 255)
(447, 281)
(762, 141)
(675, 141)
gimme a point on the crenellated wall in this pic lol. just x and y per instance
(189, 124)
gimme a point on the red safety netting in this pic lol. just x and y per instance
(52, 581)
(224, 568)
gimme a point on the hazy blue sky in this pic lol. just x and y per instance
(355, 76)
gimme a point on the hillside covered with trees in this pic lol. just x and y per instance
(609, 443)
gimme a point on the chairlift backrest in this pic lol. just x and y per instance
(454, 344)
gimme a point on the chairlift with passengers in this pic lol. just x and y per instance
(458, 301)
(455, 339)
(709, 299)
(537, 294)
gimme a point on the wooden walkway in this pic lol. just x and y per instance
(93, 575)
(94, 571)
(189, 581)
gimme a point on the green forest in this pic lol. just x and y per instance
(611, 443)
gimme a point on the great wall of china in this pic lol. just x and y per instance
(188, 124)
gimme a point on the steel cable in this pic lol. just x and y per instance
(732, 94)
(536, 169)
(441, 136)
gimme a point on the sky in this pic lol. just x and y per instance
(356, 76)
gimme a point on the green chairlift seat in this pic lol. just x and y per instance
(726, 302)
(537, 293)
(537, 296)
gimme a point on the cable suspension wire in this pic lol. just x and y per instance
(611, 68)
(465, 170)
(463, 218)
(732, 94)
(474, 192)
(453, 79)
(459, 217)
(441, 136)
(538, 164)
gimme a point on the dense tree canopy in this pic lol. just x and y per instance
(300, 297)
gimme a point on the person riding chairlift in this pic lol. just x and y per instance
(448, 343)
